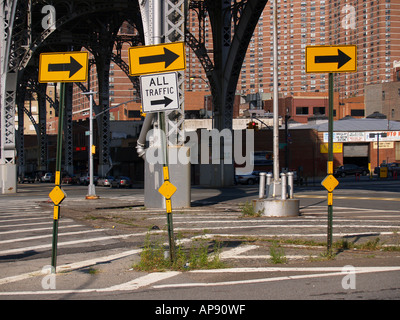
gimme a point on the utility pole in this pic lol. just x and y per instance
(91, 188)
(275, 102)
(158, 33)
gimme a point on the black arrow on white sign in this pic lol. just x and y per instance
(165, 102)
(168, 57)
(73, 67)
(341, 59)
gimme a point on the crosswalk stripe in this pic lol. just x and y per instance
(30, 224)
(48, 236)
(25, 219)
(67, 243)
(39, 229)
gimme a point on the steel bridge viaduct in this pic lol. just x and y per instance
(94, 25)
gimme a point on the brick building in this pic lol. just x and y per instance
(305, 146)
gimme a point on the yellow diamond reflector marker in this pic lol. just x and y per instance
(330, 183)
(57, 195)
(167, 189)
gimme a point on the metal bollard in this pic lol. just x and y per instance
(261, 190)
(290, 184)
(268, 186)
(284, 185)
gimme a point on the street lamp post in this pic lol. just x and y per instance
(91, 188)
(275, 101)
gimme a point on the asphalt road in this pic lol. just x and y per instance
(101, 239)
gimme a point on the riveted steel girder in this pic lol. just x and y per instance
(233, 23)
(98, 21)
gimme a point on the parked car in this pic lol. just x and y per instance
(248, 178)
(393, 168)
(48, 177)
(28, 178)
(85, 179)
(105, 181)
(121, 182)
(350, 169)
(70, 179)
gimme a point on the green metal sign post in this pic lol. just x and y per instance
(56, 190)
(330, 162)
(331, 59)
(61, 67)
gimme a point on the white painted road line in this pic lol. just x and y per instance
(41, 229)
(25, 219)
(72, 266)
(50, 222)
(283, 278)
(152, 278)
(282, 226)
(236, 253)
(229, 254)
(49, 236)
(60, 244)
(128, 286)
(272, 235)
(286, 225)
(141, 282)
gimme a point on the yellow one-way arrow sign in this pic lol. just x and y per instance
(156, 59)
(63, 67)
(327, 59)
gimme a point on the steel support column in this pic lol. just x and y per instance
(68, 142)
(174, 29)
(20, 134)
(233, 23)
(43, 143)
(8, 179)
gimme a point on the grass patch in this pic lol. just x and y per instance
(371, 244)
(277, 254)
(247, 210)
(200, 255)
(391, 248)
(93, 271)
(343, 244)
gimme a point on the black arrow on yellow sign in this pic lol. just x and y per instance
(168, 57)
(72, 67)
(341, 59)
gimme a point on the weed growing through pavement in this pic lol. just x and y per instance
(153, 257)
(277, 254)
(248, 210)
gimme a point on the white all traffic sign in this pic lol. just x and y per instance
(159, 92)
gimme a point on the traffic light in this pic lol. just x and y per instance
(255, 126)
(250, 125)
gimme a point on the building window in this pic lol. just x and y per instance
(357, 113)
(319, 110)
(302, 110)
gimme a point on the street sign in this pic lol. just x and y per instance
(63, 67)
(330, 183)
(337, 147)
(157, 58)
(159, 92)
(167, 189)
(327, 59)
(57, 195)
